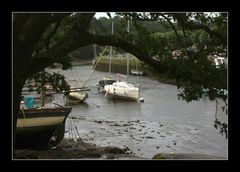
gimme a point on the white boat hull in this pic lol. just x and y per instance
(136, 72)
(122, 90)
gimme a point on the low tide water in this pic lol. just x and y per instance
(161, 124)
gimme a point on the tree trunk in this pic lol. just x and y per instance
(17, 87)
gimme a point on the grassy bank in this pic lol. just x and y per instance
(118, 65)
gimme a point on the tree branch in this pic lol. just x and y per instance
(32, 30)
(194, 26)
(176, 33)
(129, 47)
(181, 20)
(52, 33)
(74, 40)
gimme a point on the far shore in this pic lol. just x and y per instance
(119, 66)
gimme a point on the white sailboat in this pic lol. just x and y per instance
(136, 72)
(122, 89)
(106, 80)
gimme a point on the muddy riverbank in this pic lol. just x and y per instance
(162, 124)
(75, 149)
(79, 150)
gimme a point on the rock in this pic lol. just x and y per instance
(116, 125)
(184, 156)
(110, 156)
(125, 125)
(150, 137)
(114, 150)
(97, 121)
(158, 156)
(97, 106)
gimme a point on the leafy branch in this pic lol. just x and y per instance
(56, 80)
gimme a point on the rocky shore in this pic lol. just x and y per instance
(75, 149)
(78, 150)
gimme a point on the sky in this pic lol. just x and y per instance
(103, 14)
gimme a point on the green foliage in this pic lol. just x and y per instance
(222, 126)
(56, 80)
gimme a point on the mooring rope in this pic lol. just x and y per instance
(23, 116)
(94, 68)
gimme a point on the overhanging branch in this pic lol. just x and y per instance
(176, 33)
(195, 26)
(73, 42)
(121, 43)
(52, 33)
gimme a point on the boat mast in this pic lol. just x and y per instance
(128, 53)
(110, 58)
(94, 47)
(43, 96)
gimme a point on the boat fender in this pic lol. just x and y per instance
(141, 99)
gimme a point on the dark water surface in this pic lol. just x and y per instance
(161, 124)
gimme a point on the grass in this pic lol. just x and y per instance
(119, 61)
(118, 64)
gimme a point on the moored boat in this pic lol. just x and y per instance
(136, 72)
(77, 96)
(123, 90)
(39, 128)
(104, 81)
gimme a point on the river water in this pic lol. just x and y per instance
(161, 124)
